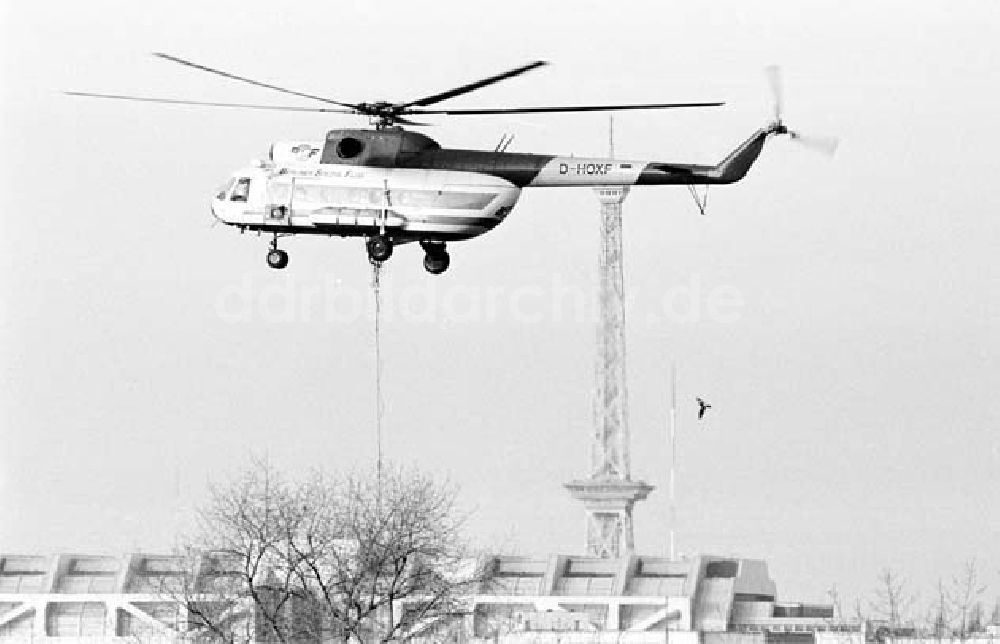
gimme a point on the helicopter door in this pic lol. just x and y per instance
(278, 205)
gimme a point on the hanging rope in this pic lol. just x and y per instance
(377, 291)
(379, 408)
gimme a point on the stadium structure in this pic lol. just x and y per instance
(631, 599)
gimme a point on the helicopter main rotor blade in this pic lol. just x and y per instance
(243, 79)
(465, 89)
(568, 108)
(174, 101)
(404, 121)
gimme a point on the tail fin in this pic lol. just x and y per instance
(735, 166)
(731, 169)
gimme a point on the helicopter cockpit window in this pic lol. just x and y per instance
(241, 191)
(224, 189)
(349, 147)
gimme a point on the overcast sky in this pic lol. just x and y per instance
(840, 315)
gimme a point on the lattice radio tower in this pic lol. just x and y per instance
(609, 493)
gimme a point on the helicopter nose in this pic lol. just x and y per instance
(215, 214)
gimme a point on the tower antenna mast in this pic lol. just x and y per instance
(672, 431)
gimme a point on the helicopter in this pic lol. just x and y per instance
(392, 186)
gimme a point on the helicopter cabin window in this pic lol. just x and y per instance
(279, 191)
(242, 190)
(305, 193)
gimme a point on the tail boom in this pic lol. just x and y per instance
(537, 170)
(730, 170)
(575, 171)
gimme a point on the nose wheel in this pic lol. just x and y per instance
(276, 258)
(436, 258)
(379, 248)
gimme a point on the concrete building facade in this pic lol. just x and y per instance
(701, 600)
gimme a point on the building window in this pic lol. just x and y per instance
(76, 619)
(722, 569)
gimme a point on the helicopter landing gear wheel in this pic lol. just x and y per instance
(437, 264)
(277, 258)
(379, 248)
(436, 258)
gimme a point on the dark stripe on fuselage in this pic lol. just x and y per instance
(658, 174)
(478, 227)
(485, 222)
(519, 169)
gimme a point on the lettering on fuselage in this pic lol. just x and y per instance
(319, 172)
(585, 168)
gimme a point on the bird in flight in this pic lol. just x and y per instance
(702, 408)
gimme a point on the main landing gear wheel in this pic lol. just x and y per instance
(277, 258)
(379, 248)
(436, 258)
(437, 264)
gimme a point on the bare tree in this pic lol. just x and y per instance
(977, 618)
(939, 616)
(859, 612)
(892, 598)
(834, 594)
(233, 582)
(357, 557)
(966, 593)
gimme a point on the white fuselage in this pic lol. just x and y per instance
(309, 197)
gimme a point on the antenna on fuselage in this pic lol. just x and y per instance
(505, 140)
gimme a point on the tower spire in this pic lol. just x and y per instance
(611, 135)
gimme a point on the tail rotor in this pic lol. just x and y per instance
(824, 144)
(773, 73)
